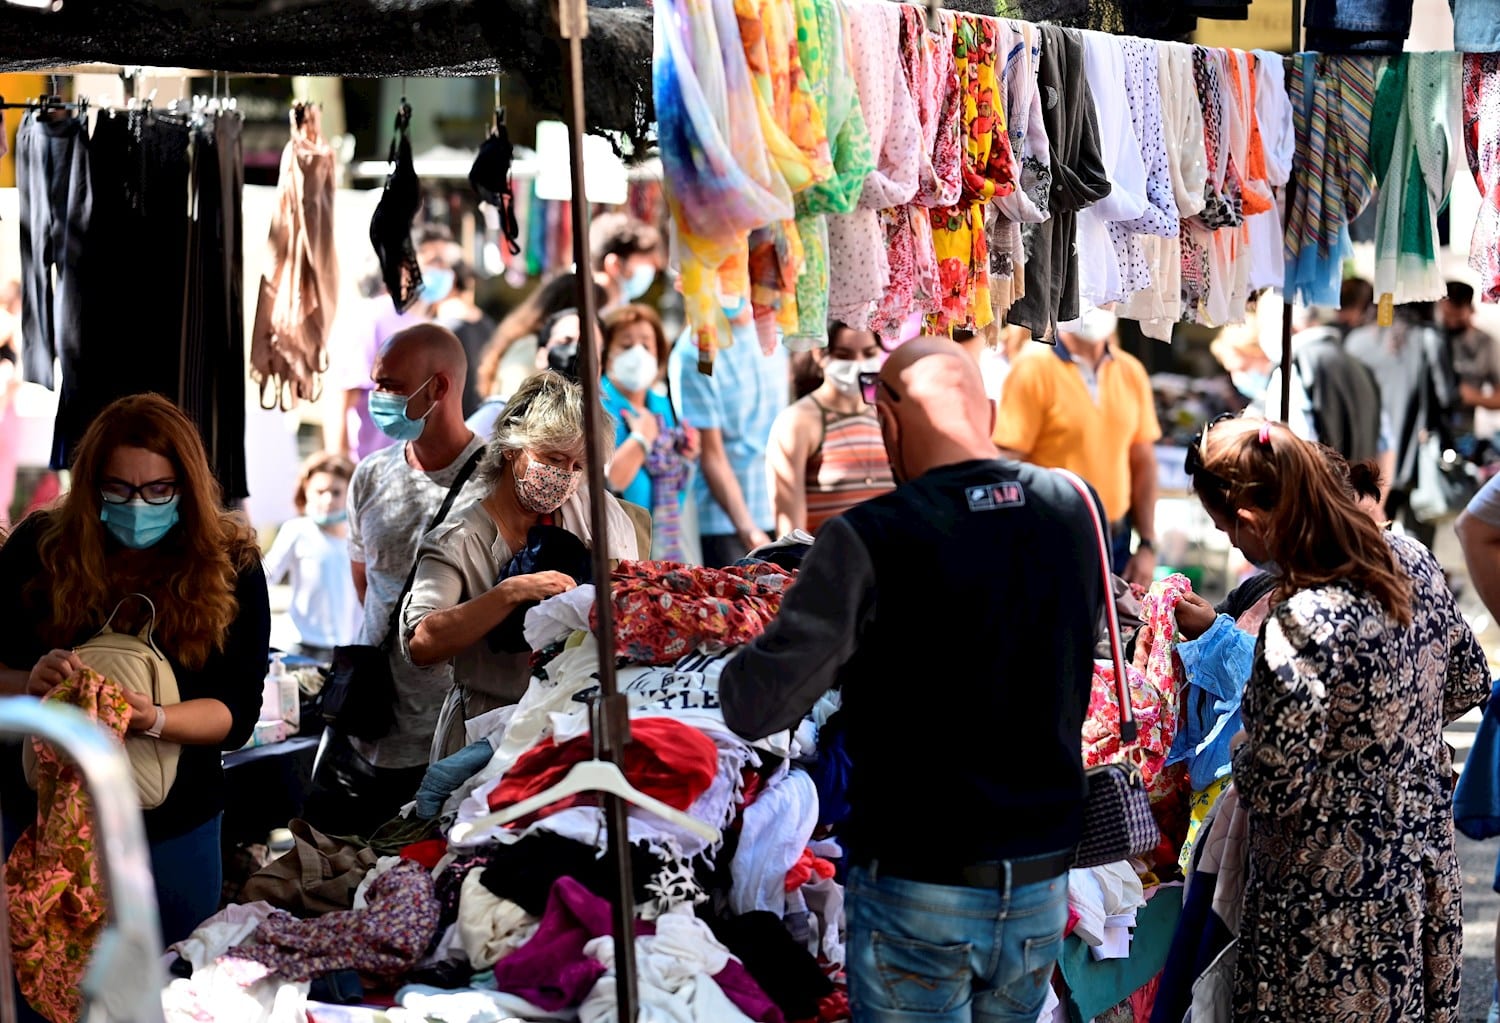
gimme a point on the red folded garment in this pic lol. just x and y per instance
(426, 853)
(666, 759)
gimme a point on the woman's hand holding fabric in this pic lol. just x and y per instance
(52, 670)
(523, 589)
(1194, 616)
(142, 711)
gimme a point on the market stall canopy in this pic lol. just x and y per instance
(352, 39)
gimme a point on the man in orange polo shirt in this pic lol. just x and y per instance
(1084, 405)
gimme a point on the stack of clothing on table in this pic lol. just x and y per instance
(515, 921)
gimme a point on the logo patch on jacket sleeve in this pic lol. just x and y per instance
(994, 496)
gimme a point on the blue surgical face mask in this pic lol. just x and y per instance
(437, 284)
(639, 282)
(1251, 385)
(389, 413)
(332, 518)
(139, 525)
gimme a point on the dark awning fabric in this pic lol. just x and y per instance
(351, 38)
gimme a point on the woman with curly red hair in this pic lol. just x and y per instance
(145, 515)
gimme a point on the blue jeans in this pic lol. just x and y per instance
(927, 953)
(189, 873)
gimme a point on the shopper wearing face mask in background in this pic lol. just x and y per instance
(362, 329)
(144, 516)
(451, 296)
(826, 454)
(625, 253)
(418, 403)
(532, 475)
(654, 454)
(313, 549)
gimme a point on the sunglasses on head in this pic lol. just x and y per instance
(1193, 463)
(869, 388)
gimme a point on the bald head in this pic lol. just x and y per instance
(429, 349)
(932, 407)
(427, 364)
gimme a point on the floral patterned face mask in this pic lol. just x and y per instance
(544, 488)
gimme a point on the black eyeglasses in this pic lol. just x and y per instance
(869, 388)
(155, 492)
(1193, 463)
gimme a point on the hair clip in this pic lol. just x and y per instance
(1265, 433)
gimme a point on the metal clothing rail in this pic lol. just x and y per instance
(124, 979)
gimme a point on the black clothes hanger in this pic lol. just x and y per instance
(390, 227)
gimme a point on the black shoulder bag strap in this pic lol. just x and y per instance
(388, 643)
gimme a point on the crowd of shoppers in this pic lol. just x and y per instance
(920, 472)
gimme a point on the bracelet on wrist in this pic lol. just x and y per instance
(161, 722)
(642, 441)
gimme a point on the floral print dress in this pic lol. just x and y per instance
(1352, 910)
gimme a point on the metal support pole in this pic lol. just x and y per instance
(613, 720)
(1286, 356)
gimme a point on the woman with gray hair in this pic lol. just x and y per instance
(467, 599)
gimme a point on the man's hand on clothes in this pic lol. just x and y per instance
(1194, 616)
(753, 538)
(1141, 568)
(52, 671)
(523, 589)
(1470, 395)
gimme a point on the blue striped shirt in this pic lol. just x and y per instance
(741, 400)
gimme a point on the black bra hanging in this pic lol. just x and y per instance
(490, 178)
(391, 226)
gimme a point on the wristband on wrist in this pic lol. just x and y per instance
(1142, 544)
(642, 441)
(161, 722)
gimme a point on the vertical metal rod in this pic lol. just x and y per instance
(1286, 357)
(614, 718)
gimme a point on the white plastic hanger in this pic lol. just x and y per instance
(588, 776)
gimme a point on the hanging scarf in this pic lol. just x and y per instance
(860, 269)
(669, 470)
(1021, 52)
(718, 180)
(1332, 102)
(989, 169)
(1079, 179)
(927, 63)
(1482, 146)
(1417, 117)
(822, 28)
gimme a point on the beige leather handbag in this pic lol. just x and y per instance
(134, 663)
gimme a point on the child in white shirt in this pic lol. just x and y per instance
(314, 550)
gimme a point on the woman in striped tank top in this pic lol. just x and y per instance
(826, 454)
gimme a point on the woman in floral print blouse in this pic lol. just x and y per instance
(1352, 893)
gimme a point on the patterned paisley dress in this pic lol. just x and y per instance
(1352, 910)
